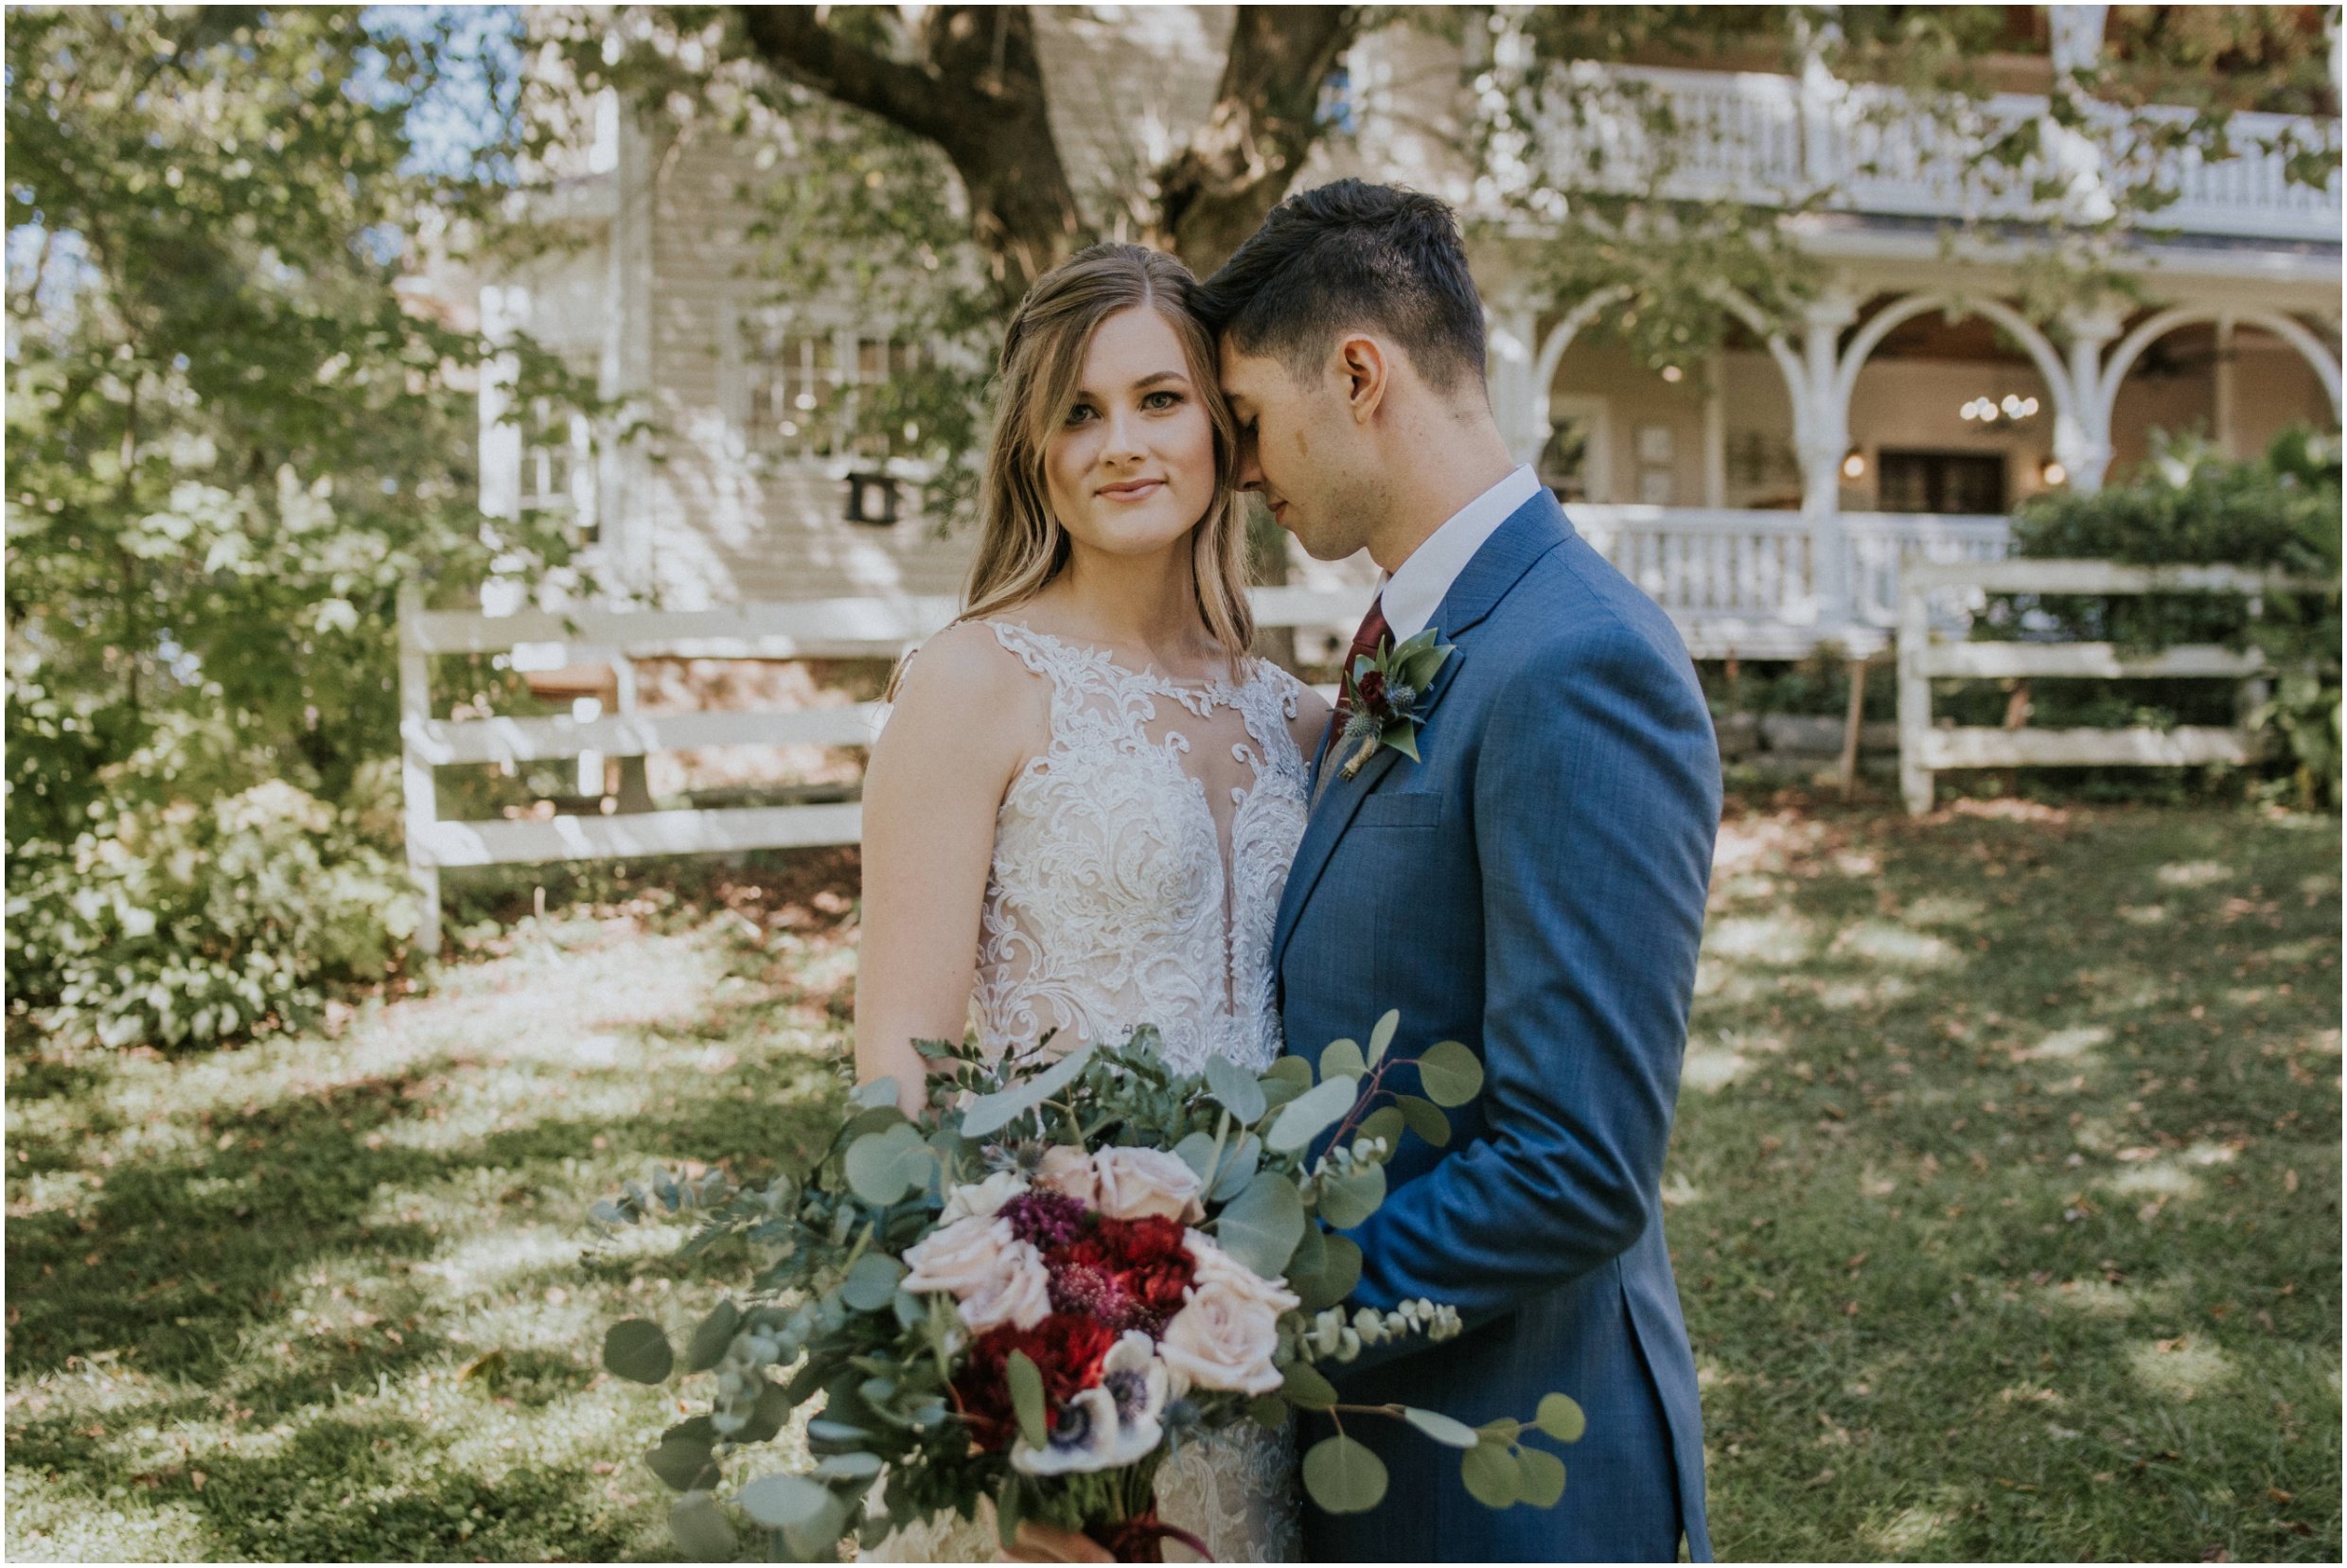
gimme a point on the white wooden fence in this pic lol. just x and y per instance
(832, 628)
(1924, 750)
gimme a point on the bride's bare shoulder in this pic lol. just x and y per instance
(962, 693)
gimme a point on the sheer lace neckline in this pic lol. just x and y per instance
(1221, 688)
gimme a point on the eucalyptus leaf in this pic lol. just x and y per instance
(638, 1351)
(1240, 1163)
(1026, 1381)
(1539, 1477)
(1338, 1273)
(766, 1417)
(1260, 1227)
(1342, 1059)
(1311, 1113)
(1306, 1388)
(1447, 1430)
(849, 1467)
(1385, 1123)
(1491, 1476)
(1450, 1073)
(708, 1344)
(1343, 1477)
(780, 1500)
(700, 1529)
(1283, 1081)
(878, 1092)
(990, 1113)
(1381, 1036)
(882, 1167)
(1237, 1088)
(1197, 1152)
(874, 1119)
(682, 1465)
(836, 1434)
(1560, 1418)
(815, 1540)
(1350, 1197)
(1008, 1507)
(1425, 1117)
(871, 1285)
(1268, 1410)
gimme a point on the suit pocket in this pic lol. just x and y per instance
(1404, 808)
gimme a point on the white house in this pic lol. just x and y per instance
(1765, 493)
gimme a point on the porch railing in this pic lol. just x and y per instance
(1746, 584)
(1757, 135)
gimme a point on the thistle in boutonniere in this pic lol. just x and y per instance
(1388, 687)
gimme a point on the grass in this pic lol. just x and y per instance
(2004, 1198)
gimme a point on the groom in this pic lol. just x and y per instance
(1533, 886)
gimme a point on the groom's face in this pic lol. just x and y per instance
(1299, 451)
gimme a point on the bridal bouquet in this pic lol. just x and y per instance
(1055, 1273)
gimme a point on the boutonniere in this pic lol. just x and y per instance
(1389, 697)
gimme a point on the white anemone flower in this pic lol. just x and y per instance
(1112, 1424)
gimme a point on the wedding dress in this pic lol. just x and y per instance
(1138, 866)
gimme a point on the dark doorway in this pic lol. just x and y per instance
(1972, 484)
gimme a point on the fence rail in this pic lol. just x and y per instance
(834, 628)
(1925, 749)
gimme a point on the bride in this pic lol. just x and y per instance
(1081, 813)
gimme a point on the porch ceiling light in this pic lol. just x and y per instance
(1854, 466)
(2052, 472)
(1989, 410)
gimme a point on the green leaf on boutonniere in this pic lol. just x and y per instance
(1402, 735)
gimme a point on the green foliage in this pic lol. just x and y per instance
(2278, 513)
(230, 442)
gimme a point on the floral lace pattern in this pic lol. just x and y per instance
(1138, 867)
(1112, 901)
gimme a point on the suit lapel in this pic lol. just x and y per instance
(1530, 531)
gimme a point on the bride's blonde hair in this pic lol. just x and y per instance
(1021, 546)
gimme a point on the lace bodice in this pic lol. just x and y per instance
(1140, 859)
(1138, 866)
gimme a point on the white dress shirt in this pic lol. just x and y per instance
(1414, 591)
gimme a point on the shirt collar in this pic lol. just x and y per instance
(1414, 590)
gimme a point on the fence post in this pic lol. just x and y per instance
(1915, 693)
(422, 805)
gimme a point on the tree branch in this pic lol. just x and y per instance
(1263, 126)
(978, 96)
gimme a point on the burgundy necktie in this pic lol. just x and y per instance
(1373, 631)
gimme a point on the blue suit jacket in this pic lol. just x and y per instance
(1535, 889)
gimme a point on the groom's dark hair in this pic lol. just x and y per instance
(1351, 255)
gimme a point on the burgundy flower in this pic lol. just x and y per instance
(1046, 1219)
(1129, 1273)
(1067, 1348)
(1371, 690)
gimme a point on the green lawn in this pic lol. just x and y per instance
(2004, 1196)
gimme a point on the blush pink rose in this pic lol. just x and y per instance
(993, 1275)
(1147, 1183)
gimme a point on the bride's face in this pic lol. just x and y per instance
(1130, 468)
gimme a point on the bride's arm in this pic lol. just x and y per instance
(967, 717)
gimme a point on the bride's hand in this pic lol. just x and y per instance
(1047, 1544)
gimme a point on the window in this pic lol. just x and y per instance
(1970, 483)
(1565, 462)
(800, 387)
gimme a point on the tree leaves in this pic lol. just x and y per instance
(637, 1350)
(1343, 1477)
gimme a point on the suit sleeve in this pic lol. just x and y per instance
(1596, 801)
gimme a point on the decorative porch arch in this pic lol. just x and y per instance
(2040, 349)
(2123, 358)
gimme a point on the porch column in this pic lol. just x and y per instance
(1519, 398)
(2225, 388)
(2082, 430)
(1715, 431)
(1822, 438)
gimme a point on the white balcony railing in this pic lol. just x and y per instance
(1748, 136)
(1745, 583)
